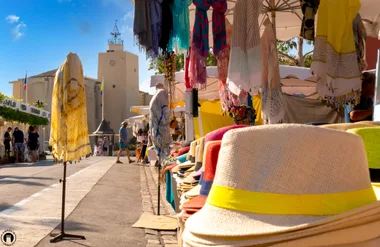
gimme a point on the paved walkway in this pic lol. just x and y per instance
(149, 178)
(106, 214)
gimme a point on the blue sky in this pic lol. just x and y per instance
(36, 35)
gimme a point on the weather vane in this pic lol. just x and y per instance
(115, 36)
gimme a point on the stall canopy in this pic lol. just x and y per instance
(141, 110)
(288, 17)
(104, 129)
(290, 86)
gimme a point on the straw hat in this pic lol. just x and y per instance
(279, 178)
(347, 126)
(211, 159)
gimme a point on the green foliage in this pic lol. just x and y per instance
(39, 104)
(13, 115)
(157, 65)
(285, 47)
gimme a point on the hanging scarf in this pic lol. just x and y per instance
(166, 25)
(142, 25)
(335, 58)
(272, 104)
(156, 17)
(200, 40)
(309, 10)
(244, 72)
(181, 26)
(360, 36)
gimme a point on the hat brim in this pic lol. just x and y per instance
(194, 191)
(220, 222)
(195, 203)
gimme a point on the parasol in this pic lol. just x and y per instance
(69, 129)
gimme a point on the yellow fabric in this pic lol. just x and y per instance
(268, 203)
(69, 130)
(341, 37)
(371, 140)
(256, 103)
(212, 118)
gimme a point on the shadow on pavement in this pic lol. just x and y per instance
(20, 180)
(37, 164)
(4, 206)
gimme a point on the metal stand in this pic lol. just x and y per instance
(62, 235)
(159, 188)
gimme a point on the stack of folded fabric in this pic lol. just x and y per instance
(289, 185)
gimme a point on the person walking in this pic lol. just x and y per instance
(7, 142)
(123, 137)
(18, 144)
(105, 145)
(33, 143)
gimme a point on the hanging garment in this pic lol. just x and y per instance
(156, 17)
(309, 10)
(159, 123)
(181, 26)
(360, 36)
(245, 60)
(166, 25)
(335, 58)
(142, 25)
(272, 103)
(69, 129)
(200, 39)
(187, 65)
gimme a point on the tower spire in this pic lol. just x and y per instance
(115, 36)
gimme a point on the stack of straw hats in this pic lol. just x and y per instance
(288, 185)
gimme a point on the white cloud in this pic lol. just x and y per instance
(128, 15)
(17, 31)
(126, 29)
(12, 18)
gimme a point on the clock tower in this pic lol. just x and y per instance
(119, 69)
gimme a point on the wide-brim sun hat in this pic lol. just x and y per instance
(278, 178)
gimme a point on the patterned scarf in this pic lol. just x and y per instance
(200, 39)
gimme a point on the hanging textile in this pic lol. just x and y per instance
(360, 36)
(309, 10)
(167, 24)
(69, 131)
(142, 25)
(187, 65)
(159, 123)
(245, 66)
(156, 17)
(272, 103)
(335, 58)
(223, 60)
(181, 26)
(200, 39)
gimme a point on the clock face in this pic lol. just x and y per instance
(112, 62)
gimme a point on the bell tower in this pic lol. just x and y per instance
(115, 43)
(120, 71)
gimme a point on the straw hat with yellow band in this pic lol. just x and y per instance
(279, 178)
(347, 126)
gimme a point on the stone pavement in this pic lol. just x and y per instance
(149, 183)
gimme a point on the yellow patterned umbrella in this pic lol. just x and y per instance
(69, 129)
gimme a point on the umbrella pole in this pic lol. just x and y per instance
(62, 236)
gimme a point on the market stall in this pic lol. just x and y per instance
(237, 199)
